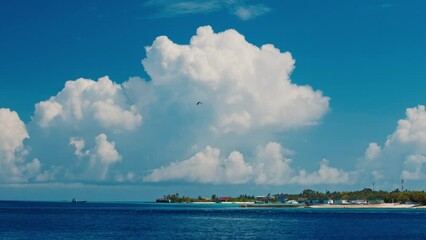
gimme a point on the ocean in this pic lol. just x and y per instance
(63, 220)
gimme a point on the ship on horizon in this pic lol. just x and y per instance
(75, 200)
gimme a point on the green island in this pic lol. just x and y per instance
(312, 198)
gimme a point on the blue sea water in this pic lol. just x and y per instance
(62, 220)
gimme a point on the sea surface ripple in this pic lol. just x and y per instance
(63, 220)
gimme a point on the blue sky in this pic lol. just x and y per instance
(137, 134)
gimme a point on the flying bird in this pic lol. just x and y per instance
(198, 103)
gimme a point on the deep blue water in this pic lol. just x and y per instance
(47, 220)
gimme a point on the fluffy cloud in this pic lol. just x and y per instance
(88, 165)
(324, 175)
(205, 167)
(411, 130)
(78, 144)
(12, 133)
(88, 109)
(94, 163)
(413, 167)
(13, 168)
(246, 86)
(372, 151)
(269, 167)
(246, 93)
(236, 170)
(102, 102)
(404, 151)
(274, 168)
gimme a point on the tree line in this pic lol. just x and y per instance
(366, 194)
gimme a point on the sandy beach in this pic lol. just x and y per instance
(382, 205)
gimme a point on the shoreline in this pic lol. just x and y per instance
(319, 206)
(381, 205)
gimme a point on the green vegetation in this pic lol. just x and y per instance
(242, 198)
(176, 198)
(366, 193)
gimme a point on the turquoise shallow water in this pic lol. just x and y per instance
(52, 220)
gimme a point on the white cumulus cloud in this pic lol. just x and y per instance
(372, 151)
(269, 167)
(205, 167)
(272, 167)
(413, 167)
(94, 163)
(13, 132)
(82, 101)
(324, 175)
(246, 86)
(248, 98)
(404, 151)
(13, 167)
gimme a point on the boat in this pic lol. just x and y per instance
(163, 200)
(75, 200)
